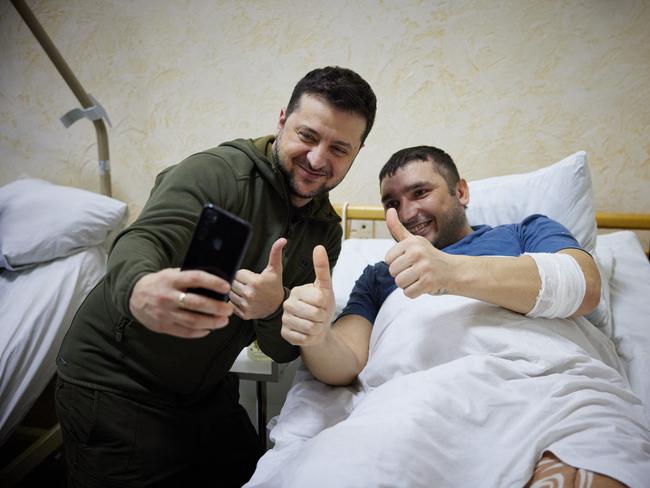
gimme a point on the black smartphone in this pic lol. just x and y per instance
(218, 246)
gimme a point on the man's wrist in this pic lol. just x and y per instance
(464, 274)
(278, 311)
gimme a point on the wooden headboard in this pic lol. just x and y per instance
(604, 220)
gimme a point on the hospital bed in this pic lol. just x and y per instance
(418, 411)
(53, 242)
(53, 250)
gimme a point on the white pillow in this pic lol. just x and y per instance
(40, 221)
(562, 192)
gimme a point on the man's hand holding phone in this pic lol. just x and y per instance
(192, 301)
(160, 302)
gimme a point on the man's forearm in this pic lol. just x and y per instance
(510, 282)
(514, 282)
(334, 360)
(331, 362)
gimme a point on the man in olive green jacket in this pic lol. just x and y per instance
(144, 396)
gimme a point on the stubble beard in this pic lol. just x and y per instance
(291, 180)
(451, 227)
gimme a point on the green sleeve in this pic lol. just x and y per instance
(160, 236)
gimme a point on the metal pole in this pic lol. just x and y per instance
(78, 90)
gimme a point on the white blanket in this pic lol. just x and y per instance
(460, 393)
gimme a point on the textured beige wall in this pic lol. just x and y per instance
(504, 86)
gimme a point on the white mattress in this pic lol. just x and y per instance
(36, 308)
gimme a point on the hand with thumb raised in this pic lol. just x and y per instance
(275, 257)
(323, 281)
(417, 266)
(322, 268)
(309, 309)
(395, 227)
(258, 295)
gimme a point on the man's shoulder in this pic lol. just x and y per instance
(376, 273)
(543, 224)
(533, 219)
(539, 233)
(536, 219)
(254, 148)
(240, 157)
(237, 150)
(531, 223)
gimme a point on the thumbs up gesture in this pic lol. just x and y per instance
(308, 310)
(417, 266)
(258, 295)
(395, 227)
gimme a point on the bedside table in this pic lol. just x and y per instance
(260, 371)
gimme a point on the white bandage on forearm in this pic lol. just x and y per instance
(563, 285)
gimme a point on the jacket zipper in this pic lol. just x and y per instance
(119, 328)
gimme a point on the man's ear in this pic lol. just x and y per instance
(282, 120)
(462, 192)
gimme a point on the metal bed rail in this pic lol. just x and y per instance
(91, 109)
(604, 220)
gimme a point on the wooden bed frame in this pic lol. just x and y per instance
(604, 220)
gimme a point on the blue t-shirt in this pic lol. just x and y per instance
(536, 233)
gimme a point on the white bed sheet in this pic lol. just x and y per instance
(36, 308)
(311, 441)
(629, 288)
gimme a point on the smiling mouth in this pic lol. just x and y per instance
(419, 228)
(312, 173)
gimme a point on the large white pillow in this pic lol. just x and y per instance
(40, 221)
(561, 191)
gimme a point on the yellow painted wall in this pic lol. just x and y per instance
(503, 86)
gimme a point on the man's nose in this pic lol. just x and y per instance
(317, 156)
(407, 211)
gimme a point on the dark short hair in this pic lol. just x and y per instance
(341, 87)
(441, 161)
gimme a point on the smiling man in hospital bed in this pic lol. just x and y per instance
(487, 321)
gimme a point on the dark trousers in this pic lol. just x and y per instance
(114, 441)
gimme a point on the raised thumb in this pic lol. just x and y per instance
(322, 268)
(275, 256)
(395, 227)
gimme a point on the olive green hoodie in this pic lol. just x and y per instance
(106, 348)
